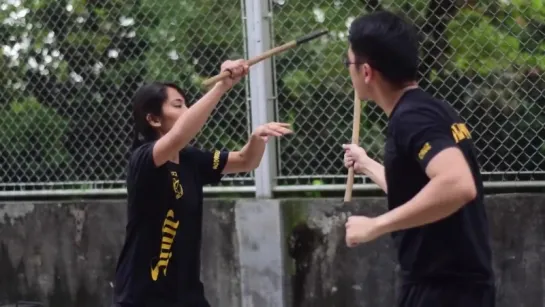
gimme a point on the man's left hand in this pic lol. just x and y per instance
(361, 229)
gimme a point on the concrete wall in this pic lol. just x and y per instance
(255, 253)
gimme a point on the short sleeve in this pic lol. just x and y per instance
(422, 135)
(141, 160)
(210, 164)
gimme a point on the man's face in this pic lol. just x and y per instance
(361, 75)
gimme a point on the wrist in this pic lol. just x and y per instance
(383, 224)
(365, 164)
(220, 87)
(259, 138)
(255, 136)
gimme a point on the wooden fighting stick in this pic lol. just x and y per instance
(355, 140)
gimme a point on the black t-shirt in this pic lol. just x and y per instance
(454, 248)
(160, 260)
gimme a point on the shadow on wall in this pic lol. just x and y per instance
(64, 255)
(61, 255)
(324, 272)
(302, 242)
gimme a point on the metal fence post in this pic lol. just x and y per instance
(261, 88)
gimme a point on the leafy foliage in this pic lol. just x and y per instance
(69, 69)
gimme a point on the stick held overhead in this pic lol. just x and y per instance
(269, 53)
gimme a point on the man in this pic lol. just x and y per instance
(431, 175)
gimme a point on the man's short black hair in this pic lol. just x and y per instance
(388, 43)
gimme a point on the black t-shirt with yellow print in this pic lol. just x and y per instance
(454, 248)
(159, 264)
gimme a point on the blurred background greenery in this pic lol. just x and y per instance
(69, 69)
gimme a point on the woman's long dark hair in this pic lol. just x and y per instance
(148, 99)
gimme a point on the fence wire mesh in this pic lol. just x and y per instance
(485, 57)
(69, 69)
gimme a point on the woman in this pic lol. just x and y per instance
(160, 261)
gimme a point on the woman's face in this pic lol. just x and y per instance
(172, 109)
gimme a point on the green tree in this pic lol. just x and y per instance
(80, 62)
(27, 156)
(485, 57)
(85, 59)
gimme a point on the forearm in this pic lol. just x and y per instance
(440, 198)
(252, 152)
(192, 121)
(375, 171)
(189, 124)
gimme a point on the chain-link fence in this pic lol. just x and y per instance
(69, 69)
(487, 58)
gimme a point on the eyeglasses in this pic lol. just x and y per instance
(347, 62)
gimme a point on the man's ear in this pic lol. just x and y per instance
(367, 73)
(153, 120)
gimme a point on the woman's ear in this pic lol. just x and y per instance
(153, 120)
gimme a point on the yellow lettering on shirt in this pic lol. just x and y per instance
(216, 161)
(176, 185)
(460, 132)
(169, 233)
(424, 150)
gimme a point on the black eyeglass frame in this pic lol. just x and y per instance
(347, 62)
